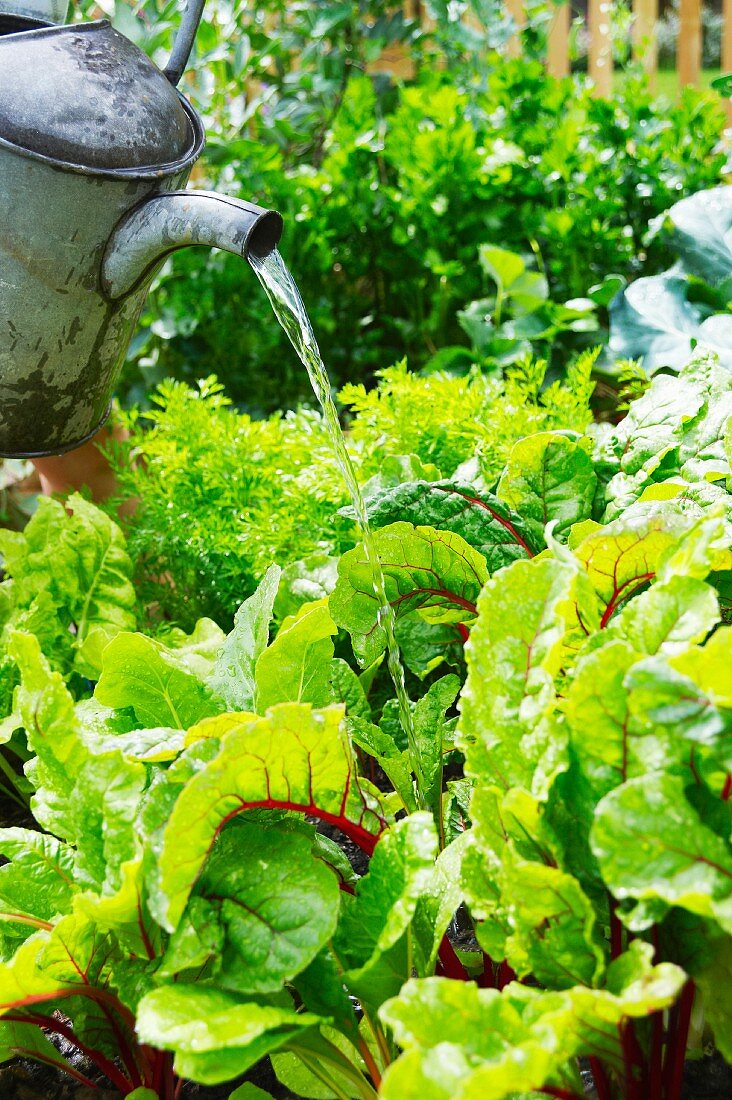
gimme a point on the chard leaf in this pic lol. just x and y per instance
(198, 651)
(652, 847)
(464, 1043)
(429, 734)
(336, 1050)
(655, 423)
(610, 742)
(396, 469)
(451, 1031)
(140, 673)
(435, 571)
(73, 555)
(676, 428)
(554, 934)
(426, 646)
(215, 1035)
(374, 939)
(516, 649)
(708, 666)
(320, 985)
(549, 478)
(392, 760)
(27, 1041)
(346, 688)
(47, 711)
(663, 697)
(277, 907)
(668, 617)
(292, 759)
(479, 517)
(247, 1091)
(233, 678)
(313, 578)
(629, 553)
(714, 980)
(37, 885)
(296, 667)
(88, 798)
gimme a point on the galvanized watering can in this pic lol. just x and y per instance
(96, 145)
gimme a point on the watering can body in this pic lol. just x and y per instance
(92, 203)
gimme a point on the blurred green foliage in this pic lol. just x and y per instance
(387, 189)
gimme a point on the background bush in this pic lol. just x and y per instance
(387, 191)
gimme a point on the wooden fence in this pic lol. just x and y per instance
(599, 27)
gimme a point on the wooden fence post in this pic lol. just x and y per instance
(599, 14)
(726, 58)
(515, 8)
(558, 42)
(689, 47)
(645, 43)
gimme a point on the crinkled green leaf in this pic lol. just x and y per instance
(276, 904)
(73, 558)
(426, 646)
(215, 1035)
(610, 742)
(549, 478)
(374, 940)
(346, 688)
(197, 651)
(233, 678)
(395, 470)
(88, 798)
(296, 667)
(464, 1043)
(139, 673)
(429, 735)
(708, 666)
(294, 758)
(435, 571)
(668, 617)
(676, 428)
(36, 885)
(516, 649)
(662, 697)
(554, 934)
(485, 522)
(305, 581)
(652, 846)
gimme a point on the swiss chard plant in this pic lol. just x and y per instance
(535, 876)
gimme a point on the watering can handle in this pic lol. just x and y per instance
(184, 41)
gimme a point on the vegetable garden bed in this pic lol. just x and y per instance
(563, 609)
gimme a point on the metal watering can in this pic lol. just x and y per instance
(96, 145)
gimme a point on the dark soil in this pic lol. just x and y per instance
(708, 1079)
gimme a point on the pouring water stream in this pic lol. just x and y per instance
(288, 307)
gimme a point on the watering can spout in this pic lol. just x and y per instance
(167, 222)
